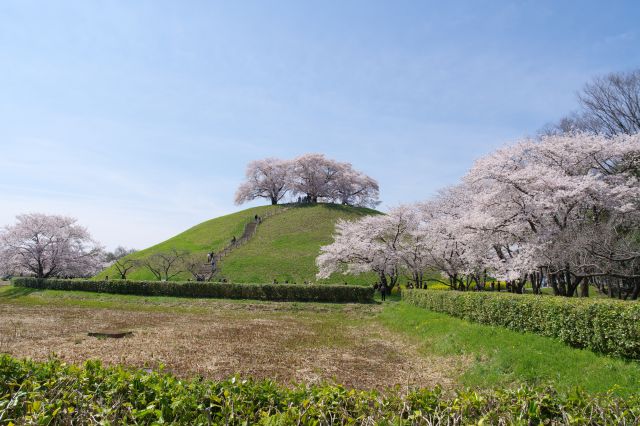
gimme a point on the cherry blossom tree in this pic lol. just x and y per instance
(544, 196)
(371, 244)
(268, 178)
(415, 244)
(355, 188)
(451, 246)
(49, 246)
(314, 176)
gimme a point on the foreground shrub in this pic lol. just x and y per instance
(281, 292)
(604, 326)
(56, 393)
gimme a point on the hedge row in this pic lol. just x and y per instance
(56, 393)
(279, 292)
(604, 326)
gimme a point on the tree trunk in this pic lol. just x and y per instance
(584, 288)
(572, 285)
(567, 282)
(520, 283)
(393, 280)
(536, 282)
(418, 278)
(40, 272)
(383, 278)
(636, 289)
(557, 290)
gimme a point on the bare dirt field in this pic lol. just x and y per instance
(217, 339)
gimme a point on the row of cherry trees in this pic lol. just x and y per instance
(562, 211)
(312, 177)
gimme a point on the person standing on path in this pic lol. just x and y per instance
(383, 291)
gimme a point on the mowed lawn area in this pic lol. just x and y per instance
(361, 346)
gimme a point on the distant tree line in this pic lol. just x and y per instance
(312, 178)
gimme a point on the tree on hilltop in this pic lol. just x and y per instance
(312, 176)
(268, 178)
(354, 188)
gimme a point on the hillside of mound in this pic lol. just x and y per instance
(212, 235)
(284, 246)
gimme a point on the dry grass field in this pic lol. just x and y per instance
(360, 346)
(289, 342)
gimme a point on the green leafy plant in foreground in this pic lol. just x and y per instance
(55, 393)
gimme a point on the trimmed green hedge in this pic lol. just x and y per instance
(56, 393)
(604, 326)
(279, 292)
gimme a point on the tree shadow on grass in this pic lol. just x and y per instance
(16, 292)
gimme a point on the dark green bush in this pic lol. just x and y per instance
(280, 292)
(56, 393)
(604, 326)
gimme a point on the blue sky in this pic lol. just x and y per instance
(138, 117)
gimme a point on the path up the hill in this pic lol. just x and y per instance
(208, 270)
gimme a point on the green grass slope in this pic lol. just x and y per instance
(212, 235)
(284, 247)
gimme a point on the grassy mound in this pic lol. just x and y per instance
(284, 248)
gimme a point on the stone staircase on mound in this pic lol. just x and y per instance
(207, 270)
